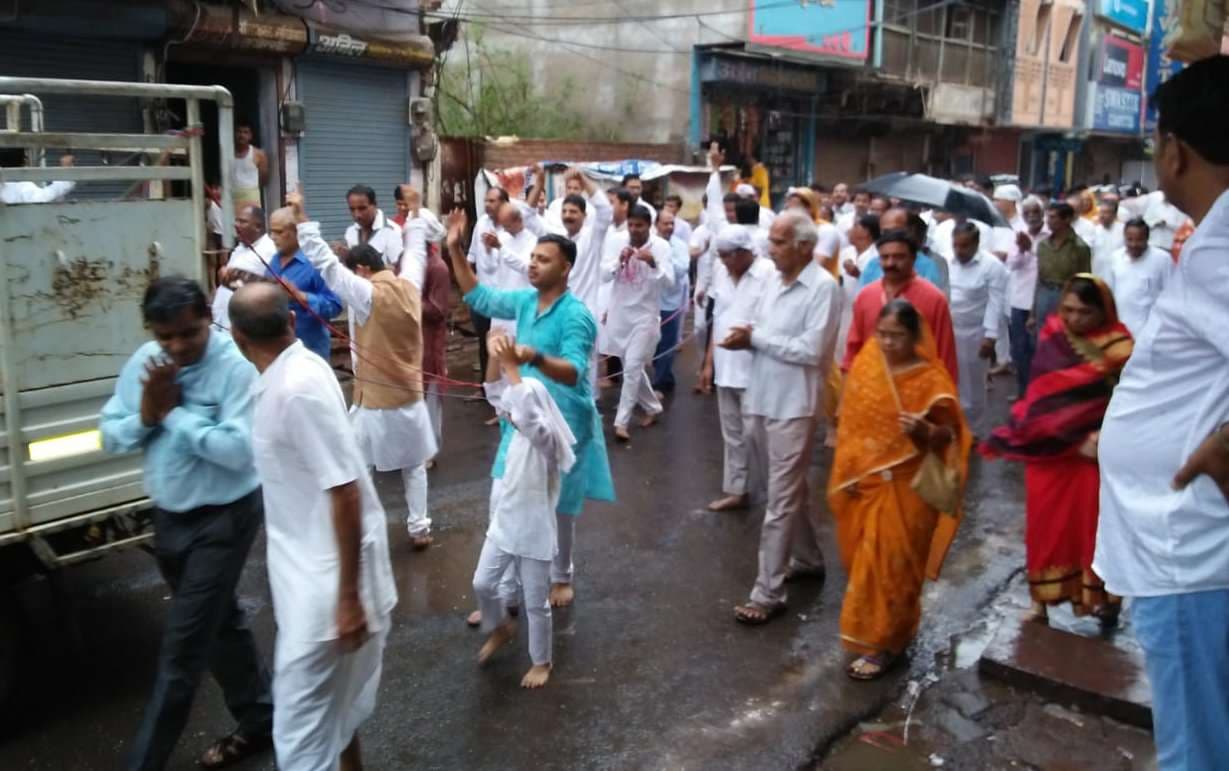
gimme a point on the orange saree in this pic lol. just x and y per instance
(890, 539)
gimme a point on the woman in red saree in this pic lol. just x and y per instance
(1081, 350)
(899, 406)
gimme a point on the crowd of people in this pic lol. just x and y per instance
(871, 324)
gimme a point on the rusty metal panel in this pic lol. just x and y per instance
(77, 273)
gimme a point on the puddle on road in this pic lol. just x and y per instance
(868, 753)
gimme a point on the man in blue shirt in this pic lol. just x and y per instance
(185, 400)
(555, 335)
(311, 298)
(927, 265)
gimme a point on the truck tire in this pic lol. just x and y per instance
(10, 652)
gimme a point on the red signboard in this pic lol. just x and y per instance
(1121, 63)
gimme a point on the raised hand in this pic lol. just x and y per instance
(295, 202)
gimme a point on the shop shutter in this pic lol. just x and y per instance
(26, 54)
(357, 132)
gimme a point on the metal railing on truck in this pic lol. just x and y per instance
(71, 278)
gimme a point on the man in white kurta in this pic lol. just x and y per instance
(1107, 238)
(523, 531)
(395, 438)
(329, 569)
(637, 273)
(979, 289)
(253, 251)
(739, 278)
(792, 335)
(370, 226)
(1137, 274)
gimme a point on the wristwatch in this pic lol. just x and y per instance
(537, 359)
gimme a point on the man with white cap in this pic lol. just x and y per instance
(739, 278)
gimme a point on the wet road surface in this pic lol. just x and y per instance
(651, 671)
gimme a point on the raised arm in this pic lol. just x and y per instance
(351, 288)
(466, 278)
(716, 196)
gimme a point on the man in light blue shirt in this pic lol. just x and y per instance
(673, 302)
(185, 400)
(929, 265)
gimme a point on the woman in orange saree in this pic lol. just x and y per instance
(899, 405)
(1081, 350)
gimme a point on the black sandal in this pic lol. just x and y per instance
(229, 750)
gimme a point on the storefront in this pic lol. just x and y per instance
(758, 108)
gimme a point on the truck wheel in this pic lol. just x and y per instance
(10, 650)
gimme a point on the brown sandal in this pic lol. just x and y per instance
(880, 663)
(229, 750)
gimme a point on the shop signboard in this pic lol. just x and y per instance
(1116, 109)
(1159, 67)
(1128, 14)
(1122, 63)
(831, 29)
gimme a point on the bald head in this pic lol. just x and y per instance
(260, 313)
(895, 218)
(284, 231)
(510, 218)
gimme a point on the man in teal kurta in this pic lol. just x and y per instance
(555, 335)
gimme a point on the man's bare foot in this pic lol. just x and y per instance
(621, 434)
(503, 634)
(730, 503)
(474, 619)
(649, 420)
(421, 541)
(536, 677)
(561, 595)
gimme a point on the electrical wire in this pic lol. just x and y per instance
(483, 16)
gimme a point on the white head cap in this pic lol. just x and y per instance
(734, 237)
(744, 190)
(1008, 193)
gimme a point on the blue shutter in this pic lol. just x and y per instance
(357, 132)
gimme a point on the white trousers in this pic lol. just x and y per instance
(534, 575)
(321, 697)
(790, 533)
(435, 410)
(415, 481)
(1002, 344)
(973, 370)
(637, 385)
(562, 570)
(734, 466)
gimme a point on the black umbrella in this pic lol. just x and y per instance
(936, 193)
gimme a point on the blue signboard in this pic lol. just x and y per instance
(1159, 67)
(1129, 14)
(1116, 109)
(838, 29)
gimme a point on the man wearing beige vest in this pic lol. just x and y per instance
(390, 417)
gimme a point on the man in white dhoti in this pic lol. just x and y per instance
(1138, 272)
(979, 290)
(792, 335)
(372, 227)
(637, 272)
(523, 532)
(739, 278)
(329, 568)
(391, 420)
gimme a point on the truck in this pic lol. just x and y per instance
(72, 276)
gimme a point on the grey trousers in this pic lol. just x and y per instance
(201, 554)
(790, 533)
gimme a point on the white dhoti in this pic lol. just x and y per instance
(321, 697)
(400, 439)
(973, 371)
(734, 466)
(1002, 343)
(636, 350)
(435, 410)
(490, 579)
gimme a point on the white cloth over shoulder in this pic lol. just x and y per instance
(249, 259)
(523, 519)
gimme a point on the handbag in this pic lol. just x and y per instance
(935, 482)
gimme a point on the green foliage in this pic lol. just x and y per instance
(485, 90)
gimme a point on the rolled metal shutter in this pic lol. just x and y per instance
(26, 54)
(357, 132)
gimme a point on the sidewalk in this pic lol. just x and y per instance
(1012, 695)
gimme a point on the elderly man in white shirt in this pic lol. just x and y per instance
(1021, 264)
(1137, 275)
(739, 278)
(637, 272)
(329, 569)
(979, 288)
(1163, 449)
(1107, 238)
(370, 226)
(248, 260)
(792, 334)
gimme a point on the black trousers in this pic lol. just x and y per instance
(482, 325)
(201, 554)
